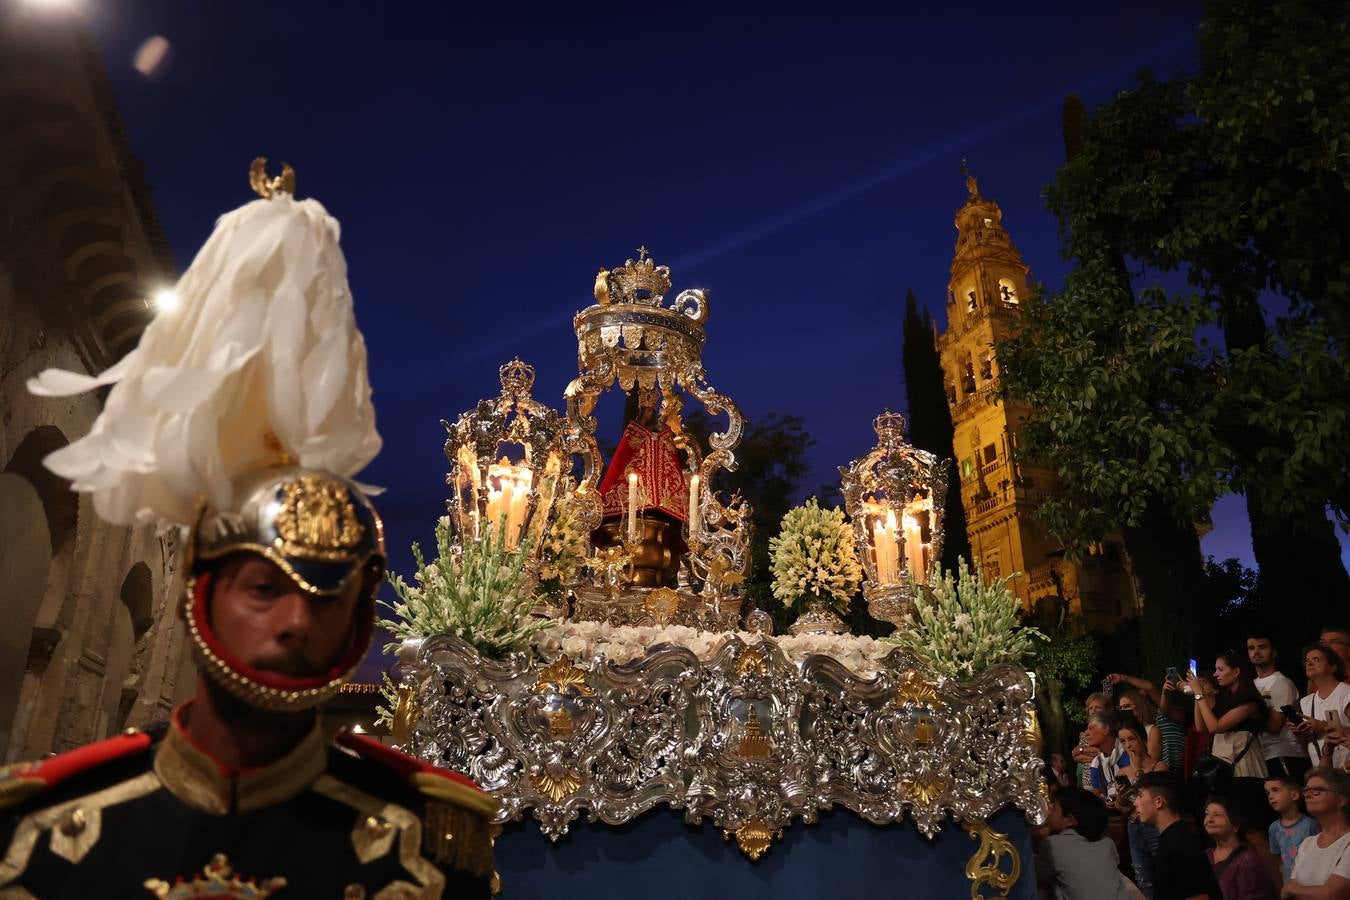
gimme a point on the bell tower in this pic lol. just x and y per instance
(984, 296)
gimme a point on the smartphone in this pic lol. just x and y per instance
(1173, 675)
(1333, 717)
(1195, 667)
(1291, 714)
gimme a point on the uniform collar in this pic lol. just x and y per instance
(199, 780)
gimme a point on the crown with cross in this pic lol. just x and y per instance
(638, 281)
(517, 378)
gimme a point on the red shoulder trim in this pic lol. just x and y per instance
(404, 765)
(52, 772)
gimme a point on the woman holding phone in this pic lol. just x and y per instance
(1325, 704)
(1236, 715)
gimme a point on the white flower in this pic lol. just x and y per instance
(814, 555)
(969, 626)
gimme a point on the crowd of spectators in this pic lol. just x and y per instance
(1229, 784)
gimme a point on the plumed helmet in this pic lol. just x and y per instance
(239, 419)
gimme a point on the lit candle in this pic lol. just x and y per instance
(880, 540)
(525, 478)
(694, 522)
(632, 505)
(914, 547)
(501, 519)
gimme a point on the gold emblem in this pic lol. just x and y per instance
(754, 837)
(924, 790)
(662, 604)
(912, 688)
(265, 187)
(317, 520)
(754, 744)
(751, 662)
(216, 880)
(562, 675)
(559, 723)
(556, 786)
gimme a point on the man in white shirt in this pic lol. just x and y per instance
(1283, 751)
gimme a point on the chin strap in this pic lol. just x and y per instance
(272, 691)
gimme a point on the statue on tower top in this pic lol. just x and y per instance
(972, 186)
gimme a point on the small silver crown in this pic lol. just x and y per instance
(890, 427)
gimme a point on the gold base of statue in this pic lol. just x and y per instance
(656, 558)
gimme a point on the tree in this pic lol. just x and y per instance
(1149, 180)
(930, 422)
(1271, 91)
(1064, 665)
(1236, 179)
(1118, 393)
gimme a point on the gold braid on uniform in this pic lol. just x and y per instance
(458, 825)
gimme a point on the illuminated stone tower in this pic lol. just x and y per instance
(988, 285)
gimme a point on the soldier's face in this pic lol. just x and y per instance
(266, 620)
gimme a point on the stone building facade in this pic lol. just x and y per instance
(999, 490)
(89, 641)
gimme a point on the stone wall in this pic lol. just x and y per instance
(89, 640)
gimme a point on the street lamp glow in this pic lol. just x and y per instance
(166, 300)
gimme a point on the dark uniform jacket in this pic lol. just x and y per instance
(143, 815)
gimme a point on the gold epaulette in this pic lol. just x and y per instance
(14, 788)
(458, 828)
(22, 781)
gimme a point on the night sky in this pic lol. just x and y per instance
(802, 169)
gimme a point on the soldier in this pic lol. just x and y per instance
(240, 795)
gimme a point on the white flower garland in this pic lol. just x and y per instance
(587, 640)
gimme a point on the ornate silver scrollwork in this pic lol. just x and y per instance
(745, 739)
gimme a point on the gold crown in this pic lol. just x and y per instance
(890, 427)
(517, 378)
(639, 281)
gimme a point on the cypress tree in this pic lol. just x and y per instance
(930, 421)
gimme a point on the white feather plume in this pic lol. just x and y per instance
(263, 340)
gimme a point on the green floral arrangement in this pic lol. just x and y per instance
(477, 593)
(814, 557)
(970, 626)
(564, 547)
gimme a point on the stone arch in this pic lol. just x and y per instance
(138, 596)
(61, 507)
(43, 514)
(25, 558)
(1007, 292)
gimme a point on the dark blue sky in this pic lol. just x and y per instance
(802, 168)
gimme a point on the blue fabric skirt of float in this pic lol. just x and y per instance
(659, 857)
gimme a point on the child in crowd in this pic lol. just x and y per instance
(1285, 794)
(1074, 860)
